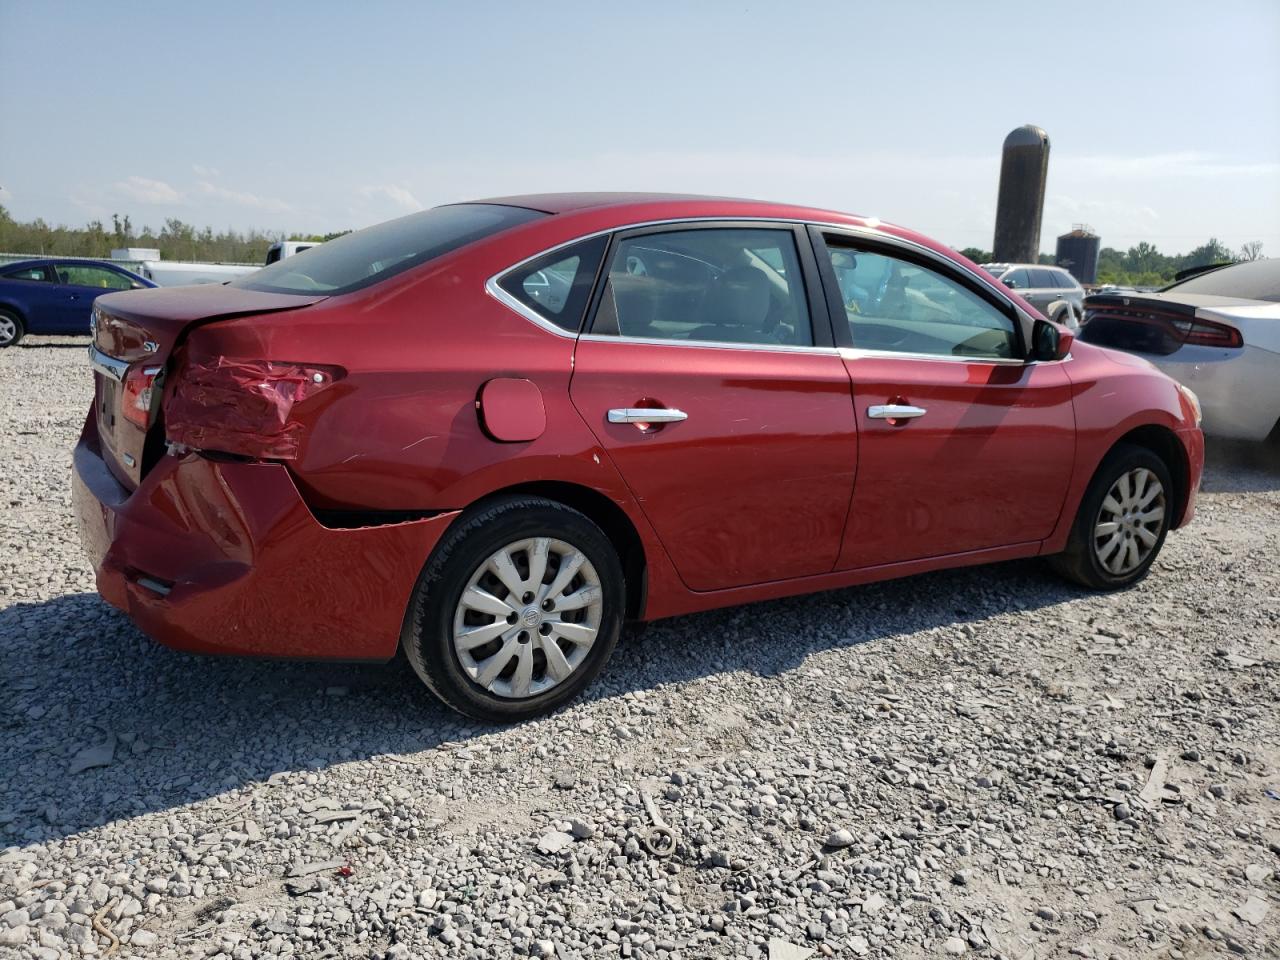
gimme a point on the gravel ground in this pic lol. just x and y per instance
(983, 762)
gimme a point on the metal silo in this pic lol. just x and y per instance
(1023, 169)
(1078, 253)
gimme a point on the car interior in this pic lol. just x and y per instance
(726, 286)
(897, 305)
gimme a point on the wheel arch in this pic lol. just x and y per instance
(12, 307)
(1164, 443)
(605, 514)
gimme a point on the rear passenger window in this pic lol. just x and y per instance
(899, 306)
(711, 286)
(1065, 280)
(558, 285)
(1042, 279)
(26, 273)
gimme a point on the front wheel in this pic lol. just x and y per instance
(1122, 523)
(518, 609)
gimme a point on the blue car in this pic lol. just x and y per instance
(55, 295)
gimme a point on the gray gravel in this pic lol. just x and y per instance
(984, 762)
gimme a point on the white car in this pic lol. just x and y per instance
(1217, 333)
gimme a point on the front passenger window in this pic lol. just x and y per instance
(899, 306)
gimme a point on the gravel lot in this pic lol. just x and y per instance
(984, 762)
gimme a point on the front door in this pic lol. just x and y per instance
(709, 377)
(79, 285)
(963, 444)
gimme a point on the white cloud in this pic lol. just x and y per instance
(397, 195)
(5, 193)
(242, 199)
(206, 173)
(144, 190)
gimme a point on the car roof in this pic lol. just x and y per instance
(1034, 266)
(54, 261)
(668, 205)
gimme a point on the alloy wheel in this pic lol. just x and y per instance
(8, 331)
(1129, 522)
(527, 617)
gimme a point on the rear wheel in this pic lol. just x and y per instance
(11, 328)
(1122, 523)
(517, 611)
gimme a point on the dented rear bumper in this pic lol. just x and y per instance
(225, 557)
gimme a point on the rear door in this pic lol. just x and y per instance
(1043, 291)
(709, 376)
(963, 445)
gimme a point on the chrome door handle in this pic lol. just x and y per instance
(895, 411)
(646, 415)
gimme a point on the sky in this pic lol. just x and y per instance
(1163, 117)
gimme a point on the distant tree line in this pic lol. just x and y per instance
(1140, 265)
(176, 240)
(1145, 266)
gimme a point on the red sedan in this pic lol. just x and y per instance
(492, 432)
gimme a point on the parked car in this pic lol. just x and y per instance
(491, 432)
(55, 295)
(1051, 290)
(1218, 332)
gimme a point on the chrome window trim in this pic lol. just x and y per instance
(107, 365)
(713, 344)
(494, 290)
(866, 353)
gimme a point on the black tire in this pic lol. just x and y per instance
(472, 539)
(10, 321)
(1080, 561)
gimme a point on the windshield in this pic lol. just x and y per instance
(1255, 280)
(368, 256)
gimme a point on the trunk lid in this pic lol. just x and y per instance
(1150, 323)
(135, 333)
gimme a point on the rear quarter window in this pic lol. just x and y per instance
(369, 256)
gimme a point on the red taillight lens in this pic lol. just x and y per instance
(244, 407)
(1206, 333)
(138, 389)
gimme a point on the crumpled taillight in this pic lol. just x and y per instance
(138, 390)
(243, 407)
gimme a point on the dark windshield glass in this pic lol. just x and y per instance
(1256, 280)
(368, 256)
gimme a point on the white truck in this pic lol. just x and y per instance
(287, 248)
(146, 262)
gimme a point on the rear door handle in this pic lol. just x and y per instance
(895, 411)
(646, 415)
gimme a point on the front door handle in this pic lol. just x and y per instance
(646, 415)
(895, 411)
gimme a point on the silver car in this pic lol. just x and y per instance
(1051, 290)
(1217, 333)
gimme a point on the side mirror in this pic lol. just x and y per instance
(1049, 341)
(1011, 284)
